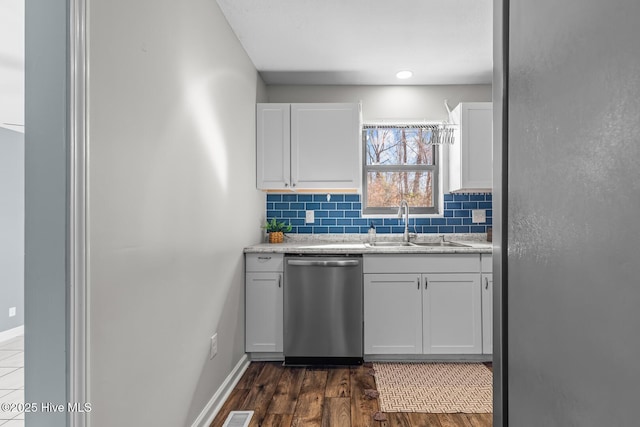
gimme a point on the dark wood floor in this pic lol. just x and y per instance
(324, 397)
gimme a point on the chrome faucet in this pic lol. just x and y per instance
(405, 235)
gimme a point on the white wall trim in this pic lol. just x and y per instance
(213, 407)
(11, 333)
(78, 310)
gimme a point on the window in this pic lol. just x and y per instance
(399, 163)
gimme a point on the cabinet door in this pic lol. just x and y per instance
(471, 155)
(273, 146)
(487, 313)
(325, 141)
(264, 312)
(392, 314)
(452, 314)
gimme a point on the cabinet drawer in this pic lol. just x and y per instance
(486, 263)
(264, 262)
(437, 263)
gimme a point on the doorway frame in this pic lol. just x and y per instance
(77, 249)
(500, 204)
(56, 311)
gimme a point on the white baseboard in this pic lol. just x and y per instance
(11, 333)
(213, 406)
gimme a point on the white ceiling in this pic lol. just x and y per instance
(365, 42)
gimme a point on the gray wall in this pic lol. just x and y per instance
(46, 145)
(387, 102)
(172, 202)
(573, 206)
(11, 228)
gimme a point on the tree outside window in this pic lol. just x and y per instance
(399, 163)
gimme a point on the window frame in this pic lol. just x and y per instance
(435, 169)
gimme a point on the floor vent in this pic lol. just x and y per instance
(238, 419)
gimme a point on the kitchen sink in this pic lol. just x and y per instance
(440, 244)
(389, 244)
(414, 244)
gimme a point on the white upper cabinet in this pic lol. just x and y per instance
(325, 145)
(308, 146)
(471, 155)
(273, 149)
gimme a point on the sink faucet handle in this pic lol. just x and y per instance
(441, 238)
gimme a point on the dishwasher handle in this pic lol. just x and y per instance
(323, 263)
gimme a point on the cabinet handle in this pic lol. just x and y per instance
(279, 280)
(264, 258)
(486, 283)
(426, 283)
(418, 281)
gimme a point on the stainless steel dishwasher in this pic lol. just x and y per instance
(323, 309)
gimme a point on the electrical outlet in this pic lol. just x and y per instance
(310, 217)
(213, 350)
(478, 216)
(12, 311)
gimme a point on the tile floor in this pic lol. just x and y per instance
(12, 380)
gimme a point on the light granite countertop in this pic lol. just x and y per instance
(357, 244)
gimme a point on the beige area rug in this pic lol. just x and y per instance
(448, 388)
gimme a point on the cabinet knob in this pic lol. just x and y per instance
(286, 184)
(293, 185)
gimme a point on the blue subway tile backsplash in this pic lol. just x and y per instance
(343, 214)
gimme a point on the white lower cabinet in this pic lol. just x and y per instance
(437, 304)
(452, 314)
(423, 313)
(487, 313)
(264, 305)
(392, 314)
(486, 282)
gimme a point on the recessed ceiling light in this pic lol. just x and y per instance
(404, 74)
